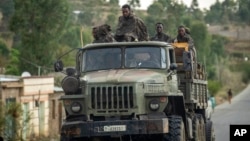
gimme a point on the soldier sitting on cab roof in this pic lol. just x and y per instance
(102, 34)
(130, 27)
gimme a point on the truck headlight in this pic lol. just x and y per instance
(154, 104)
(76, 107)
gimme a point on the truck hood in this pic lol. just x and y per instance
(125, 75)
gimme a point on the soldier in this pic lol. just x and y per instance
(183, 36)
(102, 34)
(160, 36)
(130, 27)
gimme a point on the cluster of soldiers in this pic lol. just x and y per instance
(132, 28)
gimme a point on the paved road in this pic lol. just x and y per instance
(238, 112)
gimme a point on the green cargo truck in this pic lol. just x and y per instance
(135, 91)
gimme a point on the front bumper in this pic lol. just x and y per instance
(114, 128)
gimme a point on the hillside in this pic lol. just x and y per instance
(238, 51)
(239, 45)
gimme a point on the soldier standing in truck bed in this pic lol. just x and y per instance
(160, 36)
(130, 27)
(183, 36)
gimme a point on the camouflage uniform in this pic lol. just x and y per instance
(161, 37)
(102, 34)
(131, 29)
(186, 38)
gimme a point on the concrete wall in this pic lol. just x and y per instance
(57, 114)
(34, 95)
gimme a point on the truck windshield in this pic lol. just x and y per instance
(134, 57)
(145, 57)
(101, 59)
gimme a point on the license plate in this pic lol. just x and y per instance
(114, 128)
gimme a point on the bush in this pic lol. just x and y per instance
(213, 86)
(246, 72)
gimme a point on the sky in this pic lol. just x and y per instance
(202, 3)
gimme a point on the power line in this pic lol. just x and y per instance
(36, 65)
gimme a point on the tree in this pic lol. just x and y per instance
(215, 13)
(7, 8)
(244, 11)
(71, 37)
(13, 121)
(201, 39)
(229, 11)
(39, 24)
(114, 2)
(194, 5)
(195, 11)
(134, 3)
(13, 64)
(169, 12)
(4, 53)
(155, 9)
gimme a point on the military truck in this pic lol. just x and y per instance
(135, 91)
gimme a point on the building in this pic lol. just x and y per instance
(39, 103)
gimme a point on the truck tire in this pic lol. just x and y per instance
(202, 127)
(198, 128)
(176, 129)
(195, 126)
(209, 131)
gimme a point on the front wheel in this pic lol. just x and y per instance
(210, 136)
(176, 129)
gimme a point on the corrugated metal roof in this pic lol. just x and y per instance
(8, 78)
(58, 89)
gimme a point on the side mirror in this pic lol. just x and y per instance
(58, 66)
(173, 66)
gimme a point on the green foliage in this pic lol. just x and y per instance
(12, 114)
(86, 18)
(213, 86)
(2, 120)
(66, 45)
(244, 11)
(201, 39)
(7, 8)
(245, 69)
(229, 11)
(39, 24)
(71, 37)
(87, 35)
(13, 65)
(112, 20)
(4, 51)
(215, 13)
(169, 12)
(114, 2)
(134, 3)
(156, 9)
(217, 45)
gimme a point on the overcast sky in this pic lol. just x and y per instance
(202, 3)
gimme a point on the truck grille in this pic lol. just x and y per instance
(112, 98)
